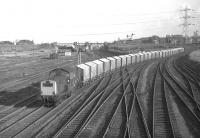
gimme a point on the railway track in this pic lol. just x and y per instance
(21, 102)
(30, 119)
(113, 107)
(33, 77)
(65, 110)
(98, 120)
(184, 122)
(193, 70)
(105, 95)
(180, 76)
(25, 100)
(118, 123)
(145, 92)
(135, 125)
(185, 77)
(37, 67)
(33, 62)
(195, 86)
(182, 93)
(128, 99)
(17, 107)
(161, 121)
(24, 122)
(79, 119)
(17, 116)
(96, 106)
(192, 82)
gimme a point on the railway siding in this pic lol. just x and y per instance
(153, 98)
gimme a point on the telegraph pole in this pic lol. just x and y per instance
(79, 54)
(186, 22)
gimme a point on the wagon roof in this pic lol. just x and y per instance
(97, 62)
(140, 53)
(104, 60)
(82, 66)
(110, 58)
(133, 54)
(116, 57)
(90, 63)
(122, 56)
(127, 55)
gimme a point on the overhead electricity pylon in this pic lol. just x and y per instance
(186, 21)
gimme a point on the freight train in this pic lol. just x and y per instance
(62, 82)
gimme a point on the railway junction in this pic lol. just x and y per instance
(158, 97)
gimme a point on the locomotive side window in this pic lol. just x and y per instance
(47, 84)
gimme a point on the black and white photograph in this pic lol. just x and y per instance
(100, 69)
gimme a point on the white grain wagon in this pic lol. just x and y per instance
(141, 57)
(157, 54)
(93, 69)
(153, 54)
(112, 63)
(164, 53)
(83, 72)
(118, 61)
(106, 65)
(148, 55)
(123, 60)
(145, 55)
(168, 52)
(99, 67)
(128, 60)
(133, 58)
(138, 57)
(160, 54)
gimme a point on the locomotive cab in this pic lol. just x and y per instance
(58, 85)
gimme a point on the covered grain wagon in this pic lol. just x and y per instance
(153, 54)
(118, 61)
(93, 69)
(106, 65)
(145, 55)
(138, 57)
(99, 67)
(112, 63)
(160, 54)
(141, 57)
(157, 53)
(128, 60)
(83, 73)
(133, 58)
(123, 60)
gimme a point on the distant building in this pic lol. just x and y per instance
(65, 51)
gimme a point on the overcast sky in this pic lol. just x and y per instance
(91, 20)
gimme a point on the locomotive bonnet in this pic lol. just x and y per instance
(58, 84)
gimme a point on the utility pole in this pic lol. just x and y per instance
(79, 54)
(186, 22)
